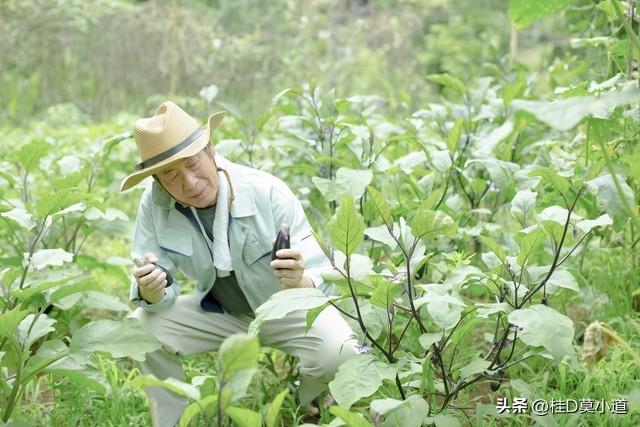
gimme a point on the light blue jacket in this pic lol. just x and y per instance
(262, 202)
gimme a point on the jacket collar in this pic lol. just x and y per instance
(244, 203)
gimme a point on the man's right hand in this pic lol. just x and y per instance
(151, 280)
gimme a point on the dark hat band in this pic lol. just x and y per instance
(170, 152)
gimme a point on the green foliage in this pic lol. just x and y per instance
(473, 237)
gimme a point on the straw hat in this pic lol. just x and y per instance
(170, 134)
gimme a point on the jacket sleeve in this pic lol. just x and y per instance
(144, 240)
(287, 208)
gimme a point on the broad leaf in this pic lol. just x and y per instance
(243, 417)
(549, 176)
(382, 206)
(385, 293)
(381, 234)
(347, 227)
(21, 217)
(284, 302)
(196, 408)
(454, 135)
(32, 329)
(352, 419)
(523, 205)
(614, 203)
(359, 377)
(237, 353)
(526, 12)
(566, 113)
(429, 224)
(529, 244)
(411, 412)
(587, 225)
(474, 367)
(45, 257)
(449, 81)
(273, 411)
(124, 338)
(175, 386)
(543, 326)
(9, 320)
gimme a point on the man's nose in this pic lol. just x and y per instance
(189, 180)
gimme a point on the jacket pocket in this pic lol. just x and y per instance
(257, 250)
(179, 243)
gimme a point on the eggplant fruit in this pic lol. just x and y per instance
(283, 241)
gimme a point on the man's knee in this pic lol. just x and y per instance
(329, 358)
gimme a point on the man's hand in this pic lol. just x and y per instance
(151, 280)
(290, 272)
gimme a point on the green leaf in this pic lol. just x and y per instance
(21, 217)
(443, 420)
(615, 203)
(543, 326)
(32, 329)
(454, 135)
(124, 338)
(273, 410)
(352, 419)
(51, 281)
(350, 182)
(495, 248)
(9, 320)
(406, 413)
(381, 234)
(284, 302)
(529, 243)
(29, 155)
(80, 369)
(237, 387)
(449, 81)
(474, 367)
(429, 224)
(46, 257)
(523, 205)
(587, 225)
(101, 301)
(330, 189)
(47, 353)
(347, 227)
(526, 12)
(428, 339)
(243, 417)
(238, 352)
(385, 293)
(73, 288)
(560, 184)
(566, 113)
(356, 181)
(382, 206)
(173, 385)
(359, 377)
(196, 408)
(562, 278)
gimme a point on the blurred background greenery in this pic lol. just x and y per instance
(97, 58)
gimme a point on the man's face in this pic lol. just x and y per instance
(191, 181)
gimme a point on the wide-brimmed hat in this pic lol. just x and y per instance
(170, 134)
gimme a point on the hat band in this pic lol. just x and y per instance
(170, 152)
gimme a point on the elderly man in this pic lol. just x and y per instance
(215, 221)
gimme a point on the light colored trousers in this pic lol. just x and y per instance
(185, 329)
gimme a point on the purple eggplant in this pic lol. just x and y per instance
(283, 241)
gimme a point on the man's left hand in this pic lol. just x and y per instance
(290, 272)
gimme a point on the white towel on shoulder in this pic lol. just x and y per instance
(221, 253)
